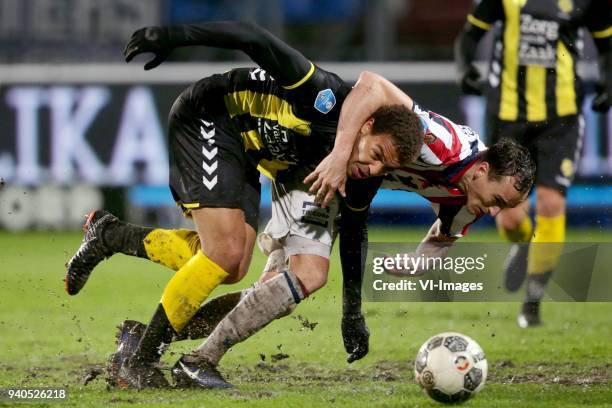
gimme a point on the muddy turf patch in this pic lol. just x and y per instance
(500, 372)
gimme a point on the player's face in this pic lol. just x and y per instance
(373, 155)
(489, 196)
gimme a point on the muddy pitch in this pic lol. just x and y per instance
(283, 370)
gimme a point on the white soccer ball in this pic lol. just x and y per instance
(451, 367)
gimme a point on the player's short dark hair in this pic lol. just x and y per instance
(508, 158)
(405, 128)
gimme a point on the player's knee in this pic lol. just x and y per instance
(233, 278)
(228, 257)
(312, 281)
(233, 258)
(311, 270)
(238, 276)
(243, 268)
(549, 202)
(319, 281)
(236, 271)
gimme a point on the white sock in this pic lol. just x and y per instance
(270, 300)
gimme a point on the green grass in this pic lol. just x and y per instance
(53, 340)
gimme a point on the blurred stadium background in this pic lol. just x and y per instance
(81, 129)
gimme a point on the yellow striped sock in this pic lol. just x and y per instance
(189, 287)
(546, 245)
(521, 234)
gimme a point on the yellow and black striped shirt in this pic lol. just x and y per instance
(281, 126)
(533, 69)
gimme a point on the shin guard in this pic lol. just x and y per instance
(546, 245)
(189, 287)
(270, 300)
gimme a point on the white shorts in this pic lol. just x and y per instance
(299, 224)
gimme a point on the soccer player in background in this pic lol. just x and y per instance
(223, 131)
(534, 98)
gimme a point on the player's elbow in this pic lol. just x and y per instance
(378, 91)
(250, 26)
(254, 35)
(372, 83)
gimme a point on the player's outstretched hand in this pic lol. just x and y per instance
(470, 82)
(356, 336)
(602, 100)
(149, 39)
(326, 179)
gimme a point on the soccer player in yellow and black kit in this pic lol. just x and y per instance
(535, 97)
(224, 131)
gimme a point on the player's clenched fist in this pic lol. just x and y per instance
(149, 39)
(355, 335)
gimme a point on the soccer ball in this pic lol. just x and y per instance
(450, 367)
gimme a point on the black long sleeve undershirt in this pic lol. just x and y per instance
(604, 61)
(354, 239)
(353, 250)
(466, 46)
(284, 63)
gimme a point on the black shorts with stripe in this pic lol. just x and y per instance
(554, 145)
(208, 164)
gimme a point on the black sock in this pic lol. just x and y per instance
(208, 316)
(158, 334)
(126, 238)
(531, 308)
(536, 285)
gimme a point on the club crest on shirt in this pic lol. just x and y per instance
(325, 102)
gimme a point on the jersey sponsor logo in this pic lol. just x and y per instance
(314, 214)
(538, 42)
(277, 140)
(209, 151)
(325, 101)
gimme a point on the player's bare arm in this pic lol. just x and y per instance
(371, 92)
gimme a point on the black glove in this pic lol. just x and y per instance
(149, 39)
(470, 81)
(603, 99)
(355, 335)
